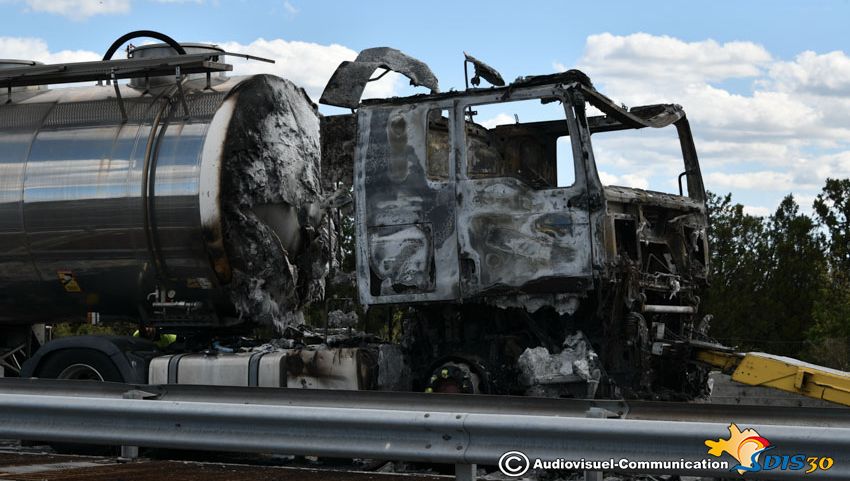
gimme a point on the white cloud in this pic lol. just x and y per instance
(716, 153)
(26, 48)
(764, 180)
(644, 69)
(82, 9)
(671, 58)
(289, 7)
(309, 65)
(625, 180)
(781, 125)
(500, 119)
(757, 211)
(763, 113)
(805, 200)
(79, 9)
(810, 73)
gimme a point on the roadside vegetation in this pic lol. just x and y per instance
(781, 283)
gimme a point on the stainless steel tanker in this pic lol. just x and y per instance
(196, 201)
(185, 199)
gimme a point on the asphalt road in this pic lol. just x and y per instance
(17, 464)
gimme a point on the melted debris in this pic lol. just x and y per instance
(274, 232)
(338, 318)
(541, 371)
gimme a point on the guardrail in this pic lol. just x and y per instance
(435, 429)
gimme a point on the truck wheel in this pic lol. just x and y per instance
(80, 364)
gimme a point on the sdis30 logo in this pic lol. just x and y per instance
(750, 450)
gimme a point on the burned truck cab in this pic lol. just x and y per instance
(501, 237)
(452, 210)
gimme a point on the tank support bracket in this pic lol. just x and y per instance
(119, 98)
(179, 79)
(10, 359)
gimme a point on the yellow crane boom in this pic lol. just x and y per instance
(777, 372)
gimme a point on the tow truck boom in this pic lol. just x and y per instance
(777, 372)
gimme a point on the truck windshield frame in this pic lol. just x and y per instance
(540, 130)
(528, 151)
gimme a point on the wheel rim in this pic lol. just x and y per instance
(80, 372)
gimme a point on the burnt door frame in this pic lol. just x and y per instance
(541, 244)
(405, 219)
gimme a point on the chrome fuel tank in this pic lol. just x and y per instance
(97, 212)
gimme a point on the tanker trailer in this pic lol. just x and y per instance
(181, 198)
(195, 203)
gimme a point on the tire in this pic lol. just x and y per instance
(79, 364)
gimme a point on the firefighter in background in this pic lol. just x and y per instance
(161, 340)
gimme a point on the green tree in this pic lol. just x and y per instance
(829, 337)
(738, 247)
(832, 211)
(782, 284)
(796, 268)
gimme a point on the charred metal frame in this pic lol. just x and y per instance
(591, 224)
(103, 70)
(503, 252)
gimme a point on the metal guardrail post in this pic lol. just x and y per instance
(597, 413)
(131, 453)
(466, 472)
